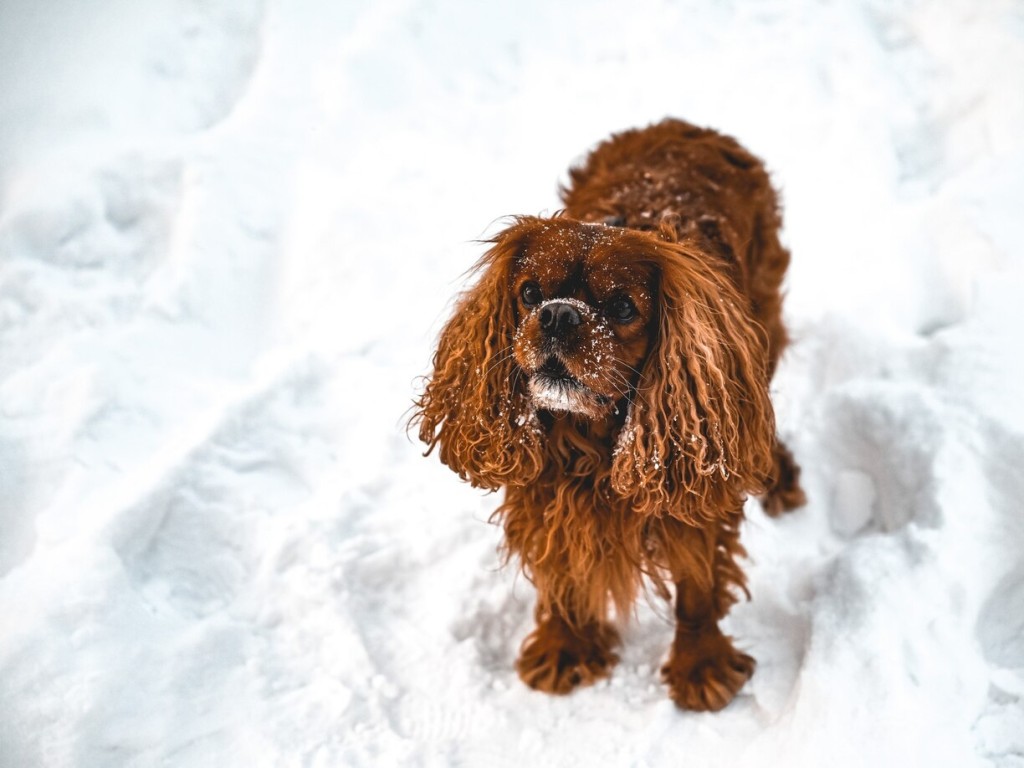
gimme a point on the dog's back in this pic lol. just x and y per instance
(694, 184)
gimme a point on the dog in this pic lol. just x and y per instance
(610, 370)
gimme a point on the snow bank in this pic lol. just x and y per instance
(229, 233)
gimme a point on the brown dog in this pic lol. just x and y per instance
(610, 370)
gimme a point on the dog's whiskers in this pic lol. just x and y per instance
(499, 358)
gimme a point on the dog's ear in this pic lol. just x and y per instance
(474, 404)
(700, 432)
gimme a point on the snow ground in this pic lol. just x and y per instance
(229, 233)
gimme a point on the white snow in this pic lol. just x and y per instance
(229, 234)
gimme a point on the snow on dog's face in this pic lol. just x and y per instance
(583, 306)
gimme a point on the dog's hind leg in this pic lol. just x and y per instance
(784, 491)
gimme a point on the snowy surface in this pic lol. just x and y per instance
(229, 234)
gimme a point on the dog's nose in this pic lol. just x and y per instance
(557, 318)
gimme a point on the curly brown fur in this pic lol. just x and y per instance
(610, 370)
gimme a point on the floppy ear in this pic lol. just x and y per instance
(474, 405)
(700, 432)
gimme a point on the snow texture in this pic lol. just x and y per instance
(229, 234)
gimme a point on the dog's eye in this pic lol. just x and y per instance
(531, 295)
(620, 309)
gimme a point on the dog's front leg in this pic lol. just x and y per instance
(568, 648)
(704, 670)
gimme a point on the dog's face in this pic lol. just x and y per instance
(584, 308)
(583, 318)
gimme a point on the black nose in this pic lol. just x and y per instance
(558, 318)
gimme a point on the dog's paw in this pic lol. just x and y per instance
(706, 673)
(557, 659)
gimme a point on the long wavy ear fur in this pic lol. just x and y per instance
(700, 432)
(474, 405)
